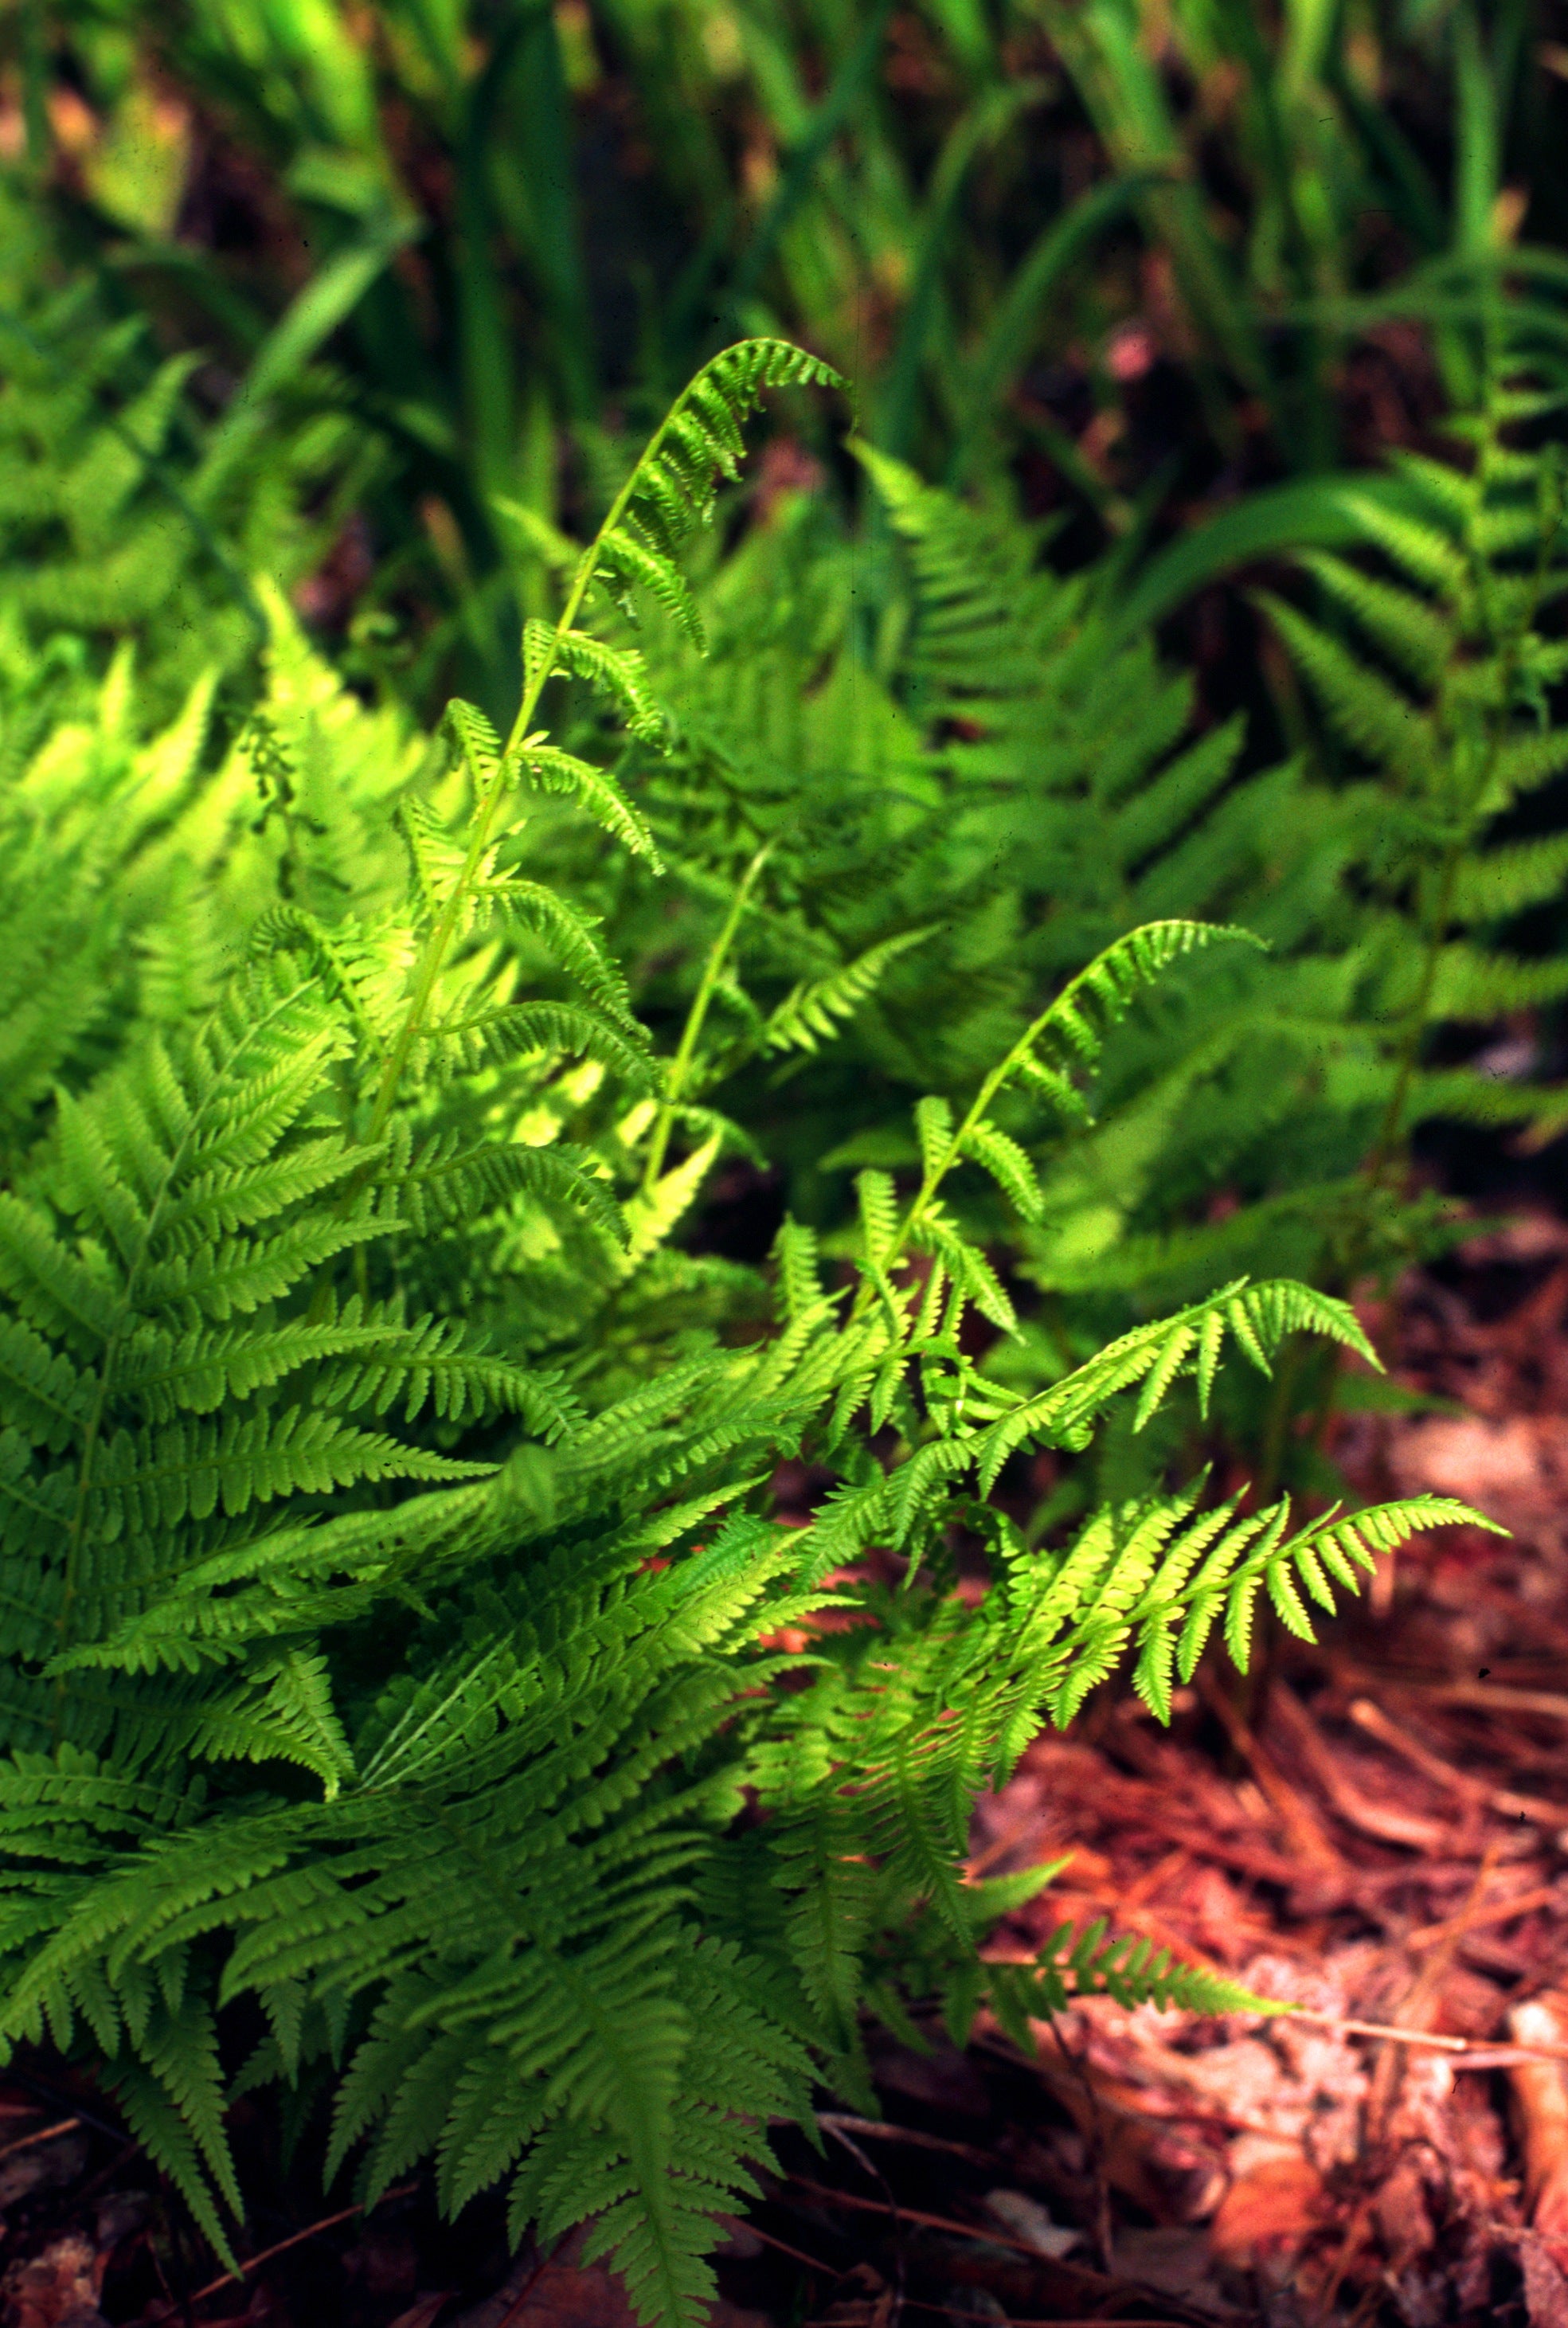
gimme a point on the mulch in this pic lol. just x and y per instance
(1375, 1828)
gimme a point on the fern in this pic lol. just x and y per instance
(1454, 715)
(395, 1597)
(122, 517)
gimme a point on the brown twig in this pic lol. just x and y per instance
(1490, 1697)
(1303, 1829)
(1355, 2237)
(1495, 1911)
(1383, 1821)
(987, 2237)
(44, 2134)
(885, 2130)
(1093, 2131)
(1376, 1724)
(295, 2239)
(514, 2308)
(797, 2255)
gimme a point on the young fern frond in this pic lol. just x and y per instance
(670, 490)
(1256, 1318)
(1093, 1961)
(812, 1009)
(1065, 1038)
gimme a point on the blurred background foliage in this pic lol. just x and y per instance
(1129, 262)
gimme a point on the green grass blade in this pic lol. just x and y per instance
(328, 299)
(831, 116)
(1318, 513)
(983, 121)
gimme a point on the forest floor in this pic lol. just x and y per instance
(1375, 1828)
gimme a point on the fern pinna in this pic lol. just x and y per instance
(392, 1586)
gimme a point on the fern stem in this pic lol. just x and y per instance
(691, 1034)
(444, 928)
(433, 960)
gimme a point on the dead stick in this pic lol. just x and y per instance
(1430, 2038)
(967, 2231)
(1536, 1808)
(1496, 1912)
(797, 2255)
(514, 2309)
(1488, 1697)
(44, 2134)
(254, 2263)
(987, 2237)
(885, 2130)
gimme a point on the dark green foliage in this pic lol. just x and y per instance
(1016, 781)
(395, 1598)
(985, 213)
(1012, 784)
(400, 1640)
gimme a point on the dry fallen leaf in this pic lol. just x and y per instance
(1028, 2220)
(1275, 2206)
(1545, 2286)
(42, 2165)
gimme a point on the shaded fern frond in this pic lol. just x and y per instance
(809, 1013)
(1093, 1961)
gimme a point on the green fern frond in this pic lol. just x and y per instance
(1093, 1962)
(810, 1011)
(1258, 1317)
(1365, 709)
(595, 790)
(1493, 885)
(1414, 634)
(402, 1614)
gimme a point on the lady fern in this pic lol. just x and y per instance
(394, 1591)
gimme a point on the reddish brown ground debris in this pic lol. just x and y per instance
(1375, 1828)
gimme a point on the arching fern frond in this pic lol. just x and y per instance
(671, 489)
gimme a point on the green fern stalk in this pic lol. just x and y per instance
(679, 1068)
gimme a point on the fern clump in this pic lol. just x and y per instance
(1027, 783)
(394, 1587)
